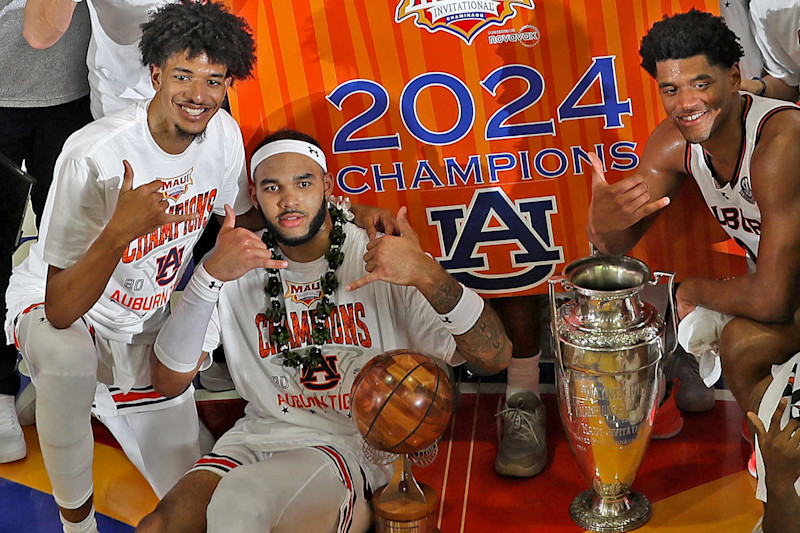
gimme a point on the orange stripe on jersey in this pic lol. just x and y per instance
(218, 461)
(748, 103)
(134, 396)
(687, 159)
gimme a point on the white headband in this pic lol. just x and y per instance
(291, 146)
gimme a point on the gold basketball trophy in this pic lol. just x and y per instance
(402, 402)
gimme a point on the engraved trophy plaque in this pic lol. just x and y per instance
(610, 350)
(401, 403)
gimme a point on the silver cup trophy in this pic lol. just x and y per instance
(610, 350)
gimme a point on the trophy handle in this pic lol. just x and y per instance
(551, 291)
(672, 308)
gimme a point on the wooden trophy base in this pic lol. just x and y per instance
(404, 514)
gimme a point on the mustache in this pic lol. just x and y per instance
(291, 212)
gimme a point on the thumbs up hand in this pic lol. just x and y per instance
(238, 251)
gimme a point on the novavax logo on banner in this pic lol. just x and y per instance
(464, 18)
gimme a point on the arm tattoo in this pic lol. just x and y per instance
(486, 344)
(446, 296)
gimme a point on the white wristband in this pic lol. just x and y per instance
(465, 314)
(204, 285)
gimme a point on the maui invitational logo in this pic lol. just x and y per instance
(174, 188)
(464, 18)
(304, 293)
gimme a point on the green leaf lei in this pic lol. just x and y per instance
(276, 310)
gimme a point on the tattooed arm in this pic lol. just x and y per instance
(401, 261)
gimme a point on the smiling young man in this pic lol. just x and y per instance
(295, 461)
(131, 195)
(741, 150)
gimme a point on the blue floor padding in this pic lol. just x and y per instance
(26, 510)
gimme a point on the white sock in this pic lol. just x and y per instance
(87, 525)
(523, 375)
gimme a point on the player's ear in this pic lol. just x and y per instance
(735, 76)
(155, 76)
(327, 180)
(251, 189)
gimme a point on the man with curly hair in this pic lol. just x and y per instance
(741, 150)
(131, 194)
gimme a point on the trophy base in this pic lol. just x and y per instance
(591, 512)
(405, 515)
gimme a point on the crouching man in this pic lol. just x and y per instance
(295, 339)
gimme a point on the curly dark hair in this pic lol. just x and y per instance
(287, 133)
(199, 27)
(690, 34)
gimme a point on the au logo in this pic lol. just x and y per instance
(174, 188)
(464, 18)
(492, 219)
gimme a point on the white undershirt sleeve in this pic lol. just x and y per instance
(179, 344)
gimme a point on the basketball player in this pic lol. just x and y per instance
(741, 151)
(130, 196)
(295, 461)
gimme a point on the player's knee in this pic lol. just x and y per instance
(162, 519)
(155, 522)
(735, 345)
(62, 353)
(239, 496)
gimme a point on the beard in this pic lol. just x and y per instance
(313, 228)
(189, 136)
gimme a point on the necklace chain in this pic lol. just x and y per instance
(276, 308)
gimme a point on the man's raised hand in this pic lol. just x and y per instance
(620, 205)
(141, 210)
(374, 219)
(238, 251)
(396, 259)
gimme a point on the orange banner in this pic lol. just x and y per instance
(478, 115)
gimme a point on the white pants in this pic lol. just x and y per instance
(306, 489)
(162, 442)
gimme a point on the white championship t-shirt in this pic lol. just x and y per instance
(83, 197)
(289, 408)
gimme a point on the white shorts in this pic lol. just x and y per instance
(314, 488)
(87, 372)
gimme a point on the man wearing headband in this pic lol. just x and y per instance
(295, 339)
